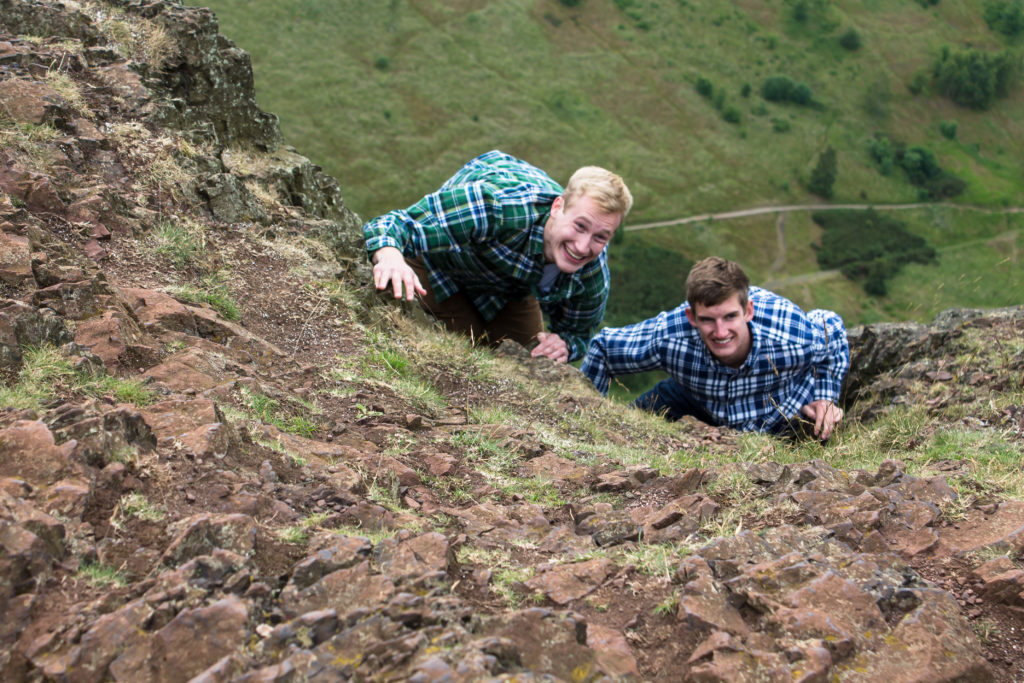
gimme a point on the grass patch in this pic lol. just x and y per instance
(136, 506)
(299, 533)
(295, 418)
(181, 243)
(212, 290)
(101, 575)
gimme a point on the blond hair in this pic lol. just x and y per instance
(604, 187)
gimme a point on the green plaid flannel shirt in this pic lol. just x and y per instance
(482, 233)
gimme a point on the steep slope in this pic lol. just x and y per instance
(222, 458)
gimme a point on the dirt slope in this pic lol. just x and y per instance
(222, 458)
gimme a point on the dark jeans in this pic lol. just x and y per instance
(670, 399)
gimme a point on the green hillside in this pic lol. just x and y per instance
(391, 97)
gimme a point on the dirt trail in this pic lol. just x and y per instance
(757, 211)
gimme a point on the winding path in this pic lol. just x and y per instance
(756, 211)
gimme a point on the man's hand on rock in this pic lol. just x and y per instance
(389, 266)
(552, 346)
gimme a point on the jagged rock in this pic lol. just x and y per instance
(99, 439)
(340, 554)
(31, 542)
(553, 468)
(201, 534)
(15, 260)
(29, 451)
(22, 325)
(344, 591)
(1001, 581)
(424, 554)
(68, 497)
(705, 605)
(564, 583)
(932, 643)
(194, 640)
(610, 528)
(230, 200)
(613, 653)
(108, 638)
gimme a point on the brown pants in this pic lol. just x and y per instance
(519, 320)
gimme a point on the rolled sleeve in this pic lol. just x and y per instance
(832, 354)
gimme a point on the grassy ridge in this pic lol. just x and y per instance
(392, 97)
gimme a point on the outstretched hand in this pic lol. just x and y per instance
(552, 346)
(389, 266)
(826, 416)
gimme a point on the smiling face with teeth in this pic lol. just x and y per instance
(575, 234)
(723, 328)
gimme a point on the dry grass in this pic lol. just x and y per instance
(135, 37)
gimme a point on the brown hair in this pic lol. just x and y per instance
(606, 188)
(713, 280)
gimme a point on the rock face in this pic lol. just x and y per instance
(191, 491)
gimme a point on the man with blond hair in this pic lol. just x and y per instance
(499, 245)
(736, 355)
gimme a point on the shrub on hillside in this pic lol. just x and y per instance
(948, 129)
(704, 87)
(1005, 17)
(973, 78)
(823, 177)
(785, 89)
(732, 114)
(920, 165)
(883, 153)
(850, 40)
(868, 247)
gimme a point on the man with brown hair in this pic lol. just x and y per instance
(736, 355)
(498, 244)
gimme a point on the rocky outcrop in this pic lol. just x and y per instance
(195, 491)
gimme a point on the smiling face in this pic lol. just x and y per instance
(723, 328)
(575, 235)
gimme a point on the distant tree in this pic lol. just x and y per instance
(704, 87)
(823, 177)
(800, 11)
(850, 39)
(868, 247)
(973, 78)
(777, 88)
(785, 89)
(745, 90)
(801, 94)
(732, 114)
(1005, 17)
(883, 153)
(571, 3)
(948, 129)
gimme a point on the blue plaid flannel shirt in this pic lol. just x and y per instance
(795, 359)
(482, 233)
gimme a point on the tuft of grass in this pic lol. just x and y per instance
(44, 372)
(179, 242)
(667, 607)
(101, 575)
(133, 36)
(69, 90)
(125, 390)
(135, 505)
(655, 559)
(263, 408)
(299, 533)
(213, 290)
